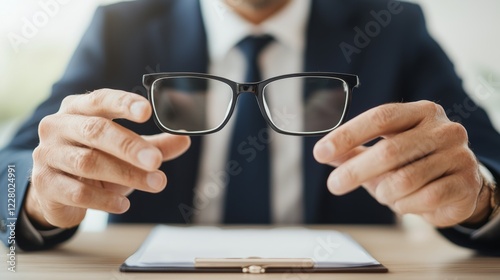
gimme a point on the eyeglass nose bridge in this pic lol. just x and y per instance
(247, 88)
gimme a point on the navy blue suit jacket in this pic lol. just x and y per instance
(401, 63)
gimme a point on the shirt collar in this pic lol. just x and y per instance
(225, 28)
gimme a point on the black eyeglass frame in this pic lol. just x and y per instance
(257, 89)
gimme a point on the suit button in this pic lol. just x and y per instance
(3, 225)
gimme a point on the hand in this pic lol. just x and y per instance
(85, 160)
(422, 165)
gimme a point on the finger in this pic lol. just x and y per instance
(383, 120)
(67, 191)
(104, 135)
(62, 216)
(383, 157)
(410, 178)
(369, 186)
(110, 104)
(347, 156)
(171, 146)
(437, 194)
(117, 188)
(96, 165)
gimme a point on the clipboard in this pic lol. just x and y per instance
(157, 254)
(258, 267)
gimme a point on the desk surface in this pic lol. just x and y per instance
(418, 253)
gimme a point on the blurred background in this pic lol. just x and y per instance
(466, 29)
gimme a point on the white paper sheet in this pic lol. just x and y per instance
(180, 246)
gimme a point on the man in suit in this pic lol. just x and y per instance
(71, 156)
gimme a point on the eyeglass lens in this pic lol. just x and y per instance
(318, 107)
(295, 105)
(191, 104)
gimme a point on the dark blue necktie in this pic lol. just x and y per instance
(248, 193)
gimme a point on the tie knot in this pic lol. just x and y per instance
(254, 44)
(251, 47)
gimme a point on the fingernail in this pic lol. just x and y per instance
(148, 158)
(324, 151)
(155, 180)
(138, 108)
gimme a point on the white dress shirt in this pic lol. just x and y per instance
(225, 29)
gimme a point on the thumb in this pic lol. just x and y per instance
(171, 146)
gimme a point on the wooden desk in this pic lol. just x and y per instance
(418, 253)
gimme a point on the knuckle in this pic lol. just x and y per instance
(123, 102)
(40, 177)
(424, 146)
(429, 106)
(38, 154)
(344, 138)
(36, 176)
(111, 205)
(441, 112)
(467, 158)
(67, 103)
(348, 175)
(389, 150)
(127, 145)
(94, 127)
(40, 167)
(458, 131)
(80, 195)
(96, 98)
(85, 161)
(451, 131)
(441, 133)
(383, 115)
(45, 127)
(404, 179)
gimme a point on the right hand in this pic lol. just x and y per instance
(87, 161)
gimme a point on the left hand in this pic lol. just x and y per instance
(422, 165)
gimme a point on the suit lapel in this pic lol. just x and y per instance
(182, 42)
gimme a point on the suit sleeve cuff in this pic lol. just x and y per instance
(31, 238)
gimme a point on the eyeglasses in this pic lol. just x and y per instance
(303, 104)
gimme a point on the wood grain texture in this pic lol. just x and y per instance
(417, 253)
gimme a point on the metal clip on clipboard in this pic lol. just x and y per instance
(253, 265)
